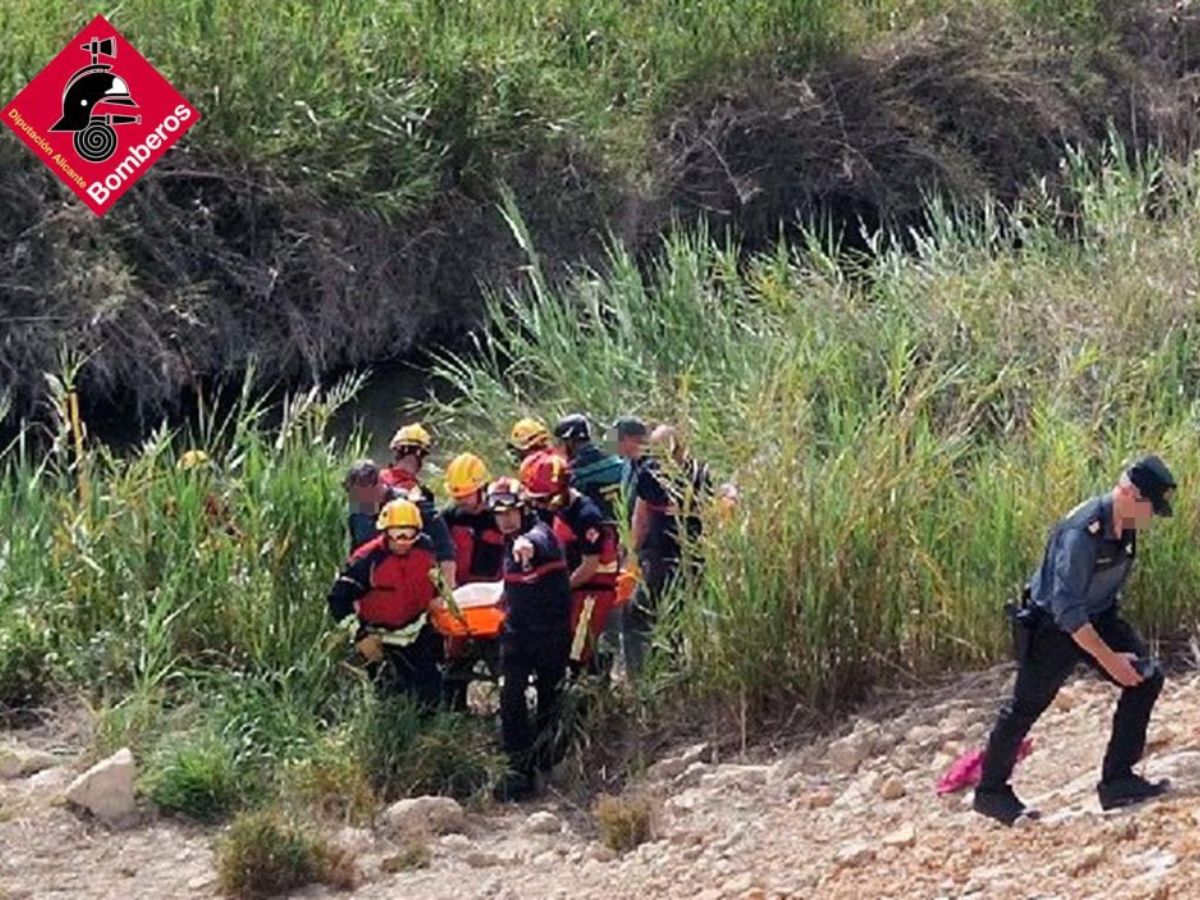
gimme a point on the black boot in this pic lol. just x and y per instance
(1130, 789)
(1002, 805)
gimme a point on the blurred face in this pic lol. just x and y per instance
(471, 504)
(1134, 510)
(409, 460)
(633, 447)
(508, 521)
(366, 494)
(400, 540)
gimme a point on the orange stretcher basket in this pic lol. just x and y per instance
(481, 616)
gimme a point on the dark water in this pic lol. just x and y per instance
(376, 412)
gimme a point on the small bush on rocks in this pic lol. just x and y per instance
(266, 854)
(625, 822)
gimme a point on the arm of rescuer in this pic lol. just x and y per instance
(443, 544)
(590, 545)
(1074, 560)
(349, 587)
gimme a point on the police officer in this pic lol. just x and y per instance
(1074, 616)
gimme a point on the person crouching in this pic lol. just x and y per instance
(383, 594)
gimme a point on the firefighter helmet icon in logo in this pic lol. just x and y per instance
(90, 89)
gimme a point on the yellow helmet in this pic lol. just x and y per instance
(191, 459)
(465, 475)
(528, 434)
(399, 514)
(413, 435)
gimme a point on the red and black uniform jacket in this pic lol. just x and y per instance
(391, 590)
(582, 530)
(538, 593)
(478, 544)
(402, 484)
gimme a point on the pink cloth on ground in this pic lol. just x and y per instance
(968, 769)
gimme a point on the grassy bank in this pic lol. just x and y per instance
(389, 101)
(904, 428)
(336, 204)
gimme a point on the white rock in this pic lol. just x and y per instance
(671, 767)
(106, 789)
(736, 777)
(923, 735)
(543, 823)
(847, 754)
(892, 788)
(17, 762)
(854, 855)
(455, 843)
(693, 773)
(200, 882)
(437, 815)
(601, 853)
(904, 836)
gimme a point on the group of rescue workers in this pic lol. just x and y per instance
(571, 559)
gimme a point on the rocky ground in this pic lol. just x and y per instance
(852, 815)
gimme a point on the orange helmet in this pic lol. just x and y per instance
(465, 475)
(544, 475)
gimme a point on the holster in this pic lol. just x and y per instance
(1024, 617)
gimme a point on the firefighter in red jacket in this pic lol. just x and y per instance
(536, 640)
(590, 543)
(410, 445)
(479, 555)
(383, 594)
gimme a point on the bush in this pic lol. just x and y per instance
(331, 783)
(625, 822)
(406, 754)
(198, 778)
(266, 854)
(26, 664)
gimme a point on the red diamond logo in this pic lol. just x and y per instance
(99, 115)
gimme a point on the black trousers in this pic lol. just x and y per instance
(412, 670)
(659, 571)
(543, 657)
(1051, 657)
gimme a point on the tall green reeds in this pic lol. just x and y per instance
(905, 428)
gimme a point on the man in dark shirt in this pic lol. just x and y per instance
(368, 493)
(1074, 616)
(592, 471)
(535, 642)
(673, 490)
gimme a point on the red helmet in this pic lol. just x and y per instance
(544, 475)
(505, 493)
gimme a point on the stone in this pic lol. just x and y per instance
(892, 788)
(480, 859)
(735, 887)
(820, 798)
(200, 882)
(674, 766)
(16, 762)
(455, 843)
(1089, 859)
(1066, 699)
(106, 789)
(854, 855)
(904, 836)
(923, 735)
(847, 754)
(543, 823)
(436, 815)
(601, 853)
(735, 777)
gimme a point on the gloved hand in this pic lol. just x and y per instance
(370, 648)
